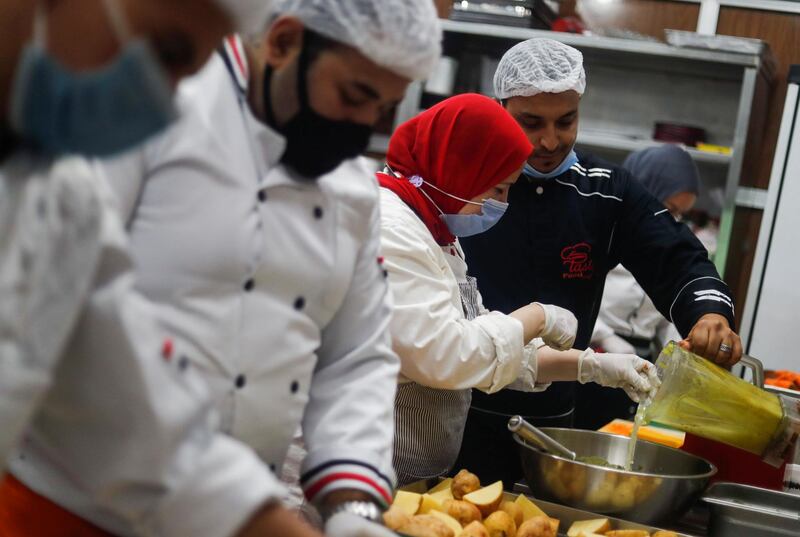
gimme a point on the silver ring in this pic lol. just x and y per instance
(724, 348)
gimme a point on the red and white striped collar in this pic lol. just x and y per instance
(237, 61)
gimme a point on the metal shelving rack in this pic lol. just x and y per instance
(631, 84)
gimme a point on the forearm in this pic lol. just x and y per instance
(533, 321)
(555, 366)
(276, 521)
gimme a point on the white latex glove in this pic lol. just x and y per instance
(616, 345)
(350, 525)
(560, 327)
(636, 376)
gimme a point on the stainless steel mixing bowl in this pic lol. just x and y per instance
(665, 484)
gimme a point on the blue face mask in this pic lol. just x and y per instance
(567, 163)
(466, 225)
(97, 113)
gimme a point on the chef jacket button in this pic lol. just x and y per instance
(183, 363)
(318, 213)
(272, 468)
(249, 284)
(299, 303)
(540, 190)
(295, 386)
(262, 195)
(241, 380)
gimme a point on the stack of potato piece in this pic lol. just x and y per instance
(461, 507)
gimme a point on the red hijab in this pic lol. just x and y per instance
(464, 145)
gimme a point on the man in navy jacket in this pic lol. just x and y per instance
(572, 218)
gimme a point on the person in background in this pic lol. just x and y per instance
(628, 322)
(572, 218)
(91, 386)
(252, 225)
(443, 180)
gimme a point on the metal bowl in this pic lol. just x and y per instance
(665, 484)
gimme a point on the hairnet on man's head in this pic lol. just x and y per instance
(249, 16)
(403, 36)
(539, 65)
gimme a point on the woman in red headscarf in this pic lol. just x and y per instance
(448, 173)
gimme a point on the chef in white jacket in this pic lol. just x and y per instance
(118, 432)
(261, 240)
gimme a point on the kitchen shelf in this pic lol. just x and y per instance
(618, 142)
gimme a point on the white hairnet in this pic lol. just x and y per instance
(539, 66)
(249, 16)
(403, 36)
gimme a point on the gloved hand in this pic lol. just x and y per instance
(350, 525)
(636, 376)
(616, 345)
(560, 327)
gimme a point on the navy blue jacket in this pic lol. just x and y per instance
(561, 236)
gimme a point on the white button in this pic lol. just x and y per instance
(539, 190)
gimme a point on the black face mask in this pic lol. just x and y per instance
(315, 145)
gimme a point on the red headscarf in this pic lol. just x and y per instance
(464, 145)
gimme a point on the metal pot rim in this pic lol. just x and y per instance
(706, 475)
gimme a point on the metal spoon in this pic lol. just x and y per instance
(529, 433)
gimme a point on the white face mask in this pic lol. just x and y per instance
(463, 225)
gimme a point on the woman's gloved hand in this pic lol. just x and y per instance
(636, 376)
(350, 525)
(560, 327)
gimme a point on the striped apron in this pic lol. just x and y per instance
(429, 423)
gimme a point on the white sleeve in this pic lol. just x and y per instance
(601, 331)
(133, 425)
(666, 332)
(50, 219)
(349, 422)
(438, 346)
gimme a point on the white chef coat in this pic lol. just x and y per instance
(115, 433)
(437, 345)
(626, 310)
(276, 280)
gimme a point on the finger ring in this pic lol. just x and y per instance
(724, 348)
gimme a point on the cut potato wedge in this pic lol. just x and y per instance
(426, 526)
(474, 529)
(538, 526)
(429, 503)
(587, 527)
(442, 495)
(451, 522)
(529, 509)
(407, 502)
(663, 533)
(486, 499)
(554, 523)
(627, 533)
(443, 485)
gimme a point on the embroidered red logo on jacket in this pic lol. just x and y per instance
(577, 261)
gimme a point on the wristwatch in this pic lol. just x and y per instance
(365, 509)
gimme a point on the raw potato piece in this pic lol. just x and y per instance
(462, 511)
(500, 524)
(474, 529)
(463, 483)
(662, 533)
(429, 503)
(529, 509)
(555, 523)
(599, 525)
(538, 526)
(486, 499)
(408, 502)
(451, 522)
(444, 484)
(515, 511)
(425, 526)
(627, 533)
(442, 495)
(395, 517)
